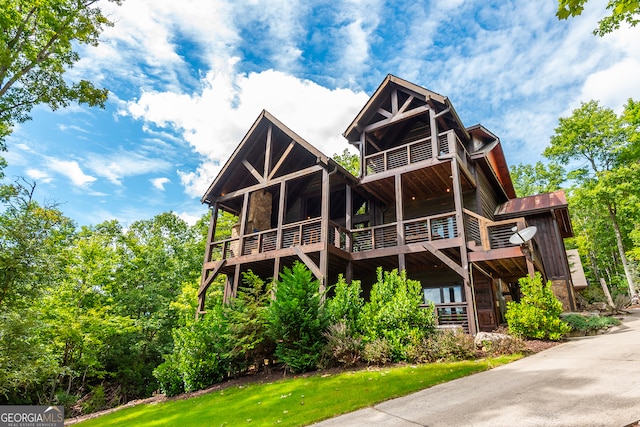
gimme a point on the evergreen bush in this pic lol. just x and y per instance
(248, 325)
(537, 315)
(297, 319)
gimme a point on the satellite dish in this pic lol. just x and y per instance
(523, 235)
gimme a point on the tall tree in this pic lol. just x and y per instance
(596, 135)
(535, 179)
(620, 11)
(37, 44)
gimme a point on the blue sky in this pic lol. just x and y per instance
(188, 78)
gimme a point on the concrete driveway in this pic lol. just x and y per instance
(591, 381)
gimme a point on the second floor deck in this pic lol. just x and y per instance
(445, 229)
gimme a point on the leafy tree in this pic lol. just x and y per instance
(37, 44)
(535, 179)
(351, 162)
(537, 315)
(596, 135)
(31, 265)
(155, 258)
(621, 11)
(297, 319)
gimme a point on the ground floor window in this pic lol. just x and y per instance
(446, 294)
(450, 303)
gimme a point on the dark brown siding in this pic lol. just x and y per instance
(487, 196)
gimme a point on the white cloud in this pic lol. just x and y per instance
(116, 167)
(39, 175)
(215, 121)
(190, 218)
(158, 183)
(72, 170)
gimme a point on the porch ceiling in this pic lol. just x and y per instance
(418, 184)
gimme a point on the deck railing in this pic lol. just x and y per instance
(490, 234)
(415, 152)
(453, 314)
(425, 229)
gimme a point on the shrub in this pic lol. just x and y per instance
(394, 313)
(586, 324)
(346, 304)
(377, 352)
(448, 345)
(537, 315)
(199, 355)
(342, 346)
(169, 377)
(510, 344)
(248, 324)
(297, 319)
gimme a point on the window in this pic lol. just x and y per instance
(444, 294)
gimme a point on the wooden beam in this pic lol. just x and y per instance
(400, 116)
(406, 104)
(495, 254)
(384, 112)
(208, 279)
(267, 152)
(281, 160)
(233, 194)
(309, 263)
(464, 273)
(253, 171)
(394, 101)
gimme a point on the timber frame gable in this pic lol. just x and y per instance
(433, 198)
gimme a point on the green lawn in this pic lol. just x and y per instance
(295, 401)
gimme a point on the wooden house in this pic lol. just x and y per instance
(433, 197)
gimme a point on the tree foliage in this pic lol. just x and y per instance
(349, 161)
(37, 46)
(601, 148)
(619, 11)
(535, 179)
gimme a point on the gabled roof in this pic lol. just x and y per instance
(370, 109)
(494, 160)
(246, 165)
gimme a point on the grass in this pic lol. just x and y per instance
(295, 401)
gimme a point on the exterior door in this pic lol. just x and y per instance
(485, 303)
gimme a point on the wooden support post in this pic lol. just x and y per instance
(363, 152)
(281, 211)
(464, 256)
(243, 223)
(435, 150)
(324, 229)
(402, 265)
(236, 282)
(348, 217)
(207, 257)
